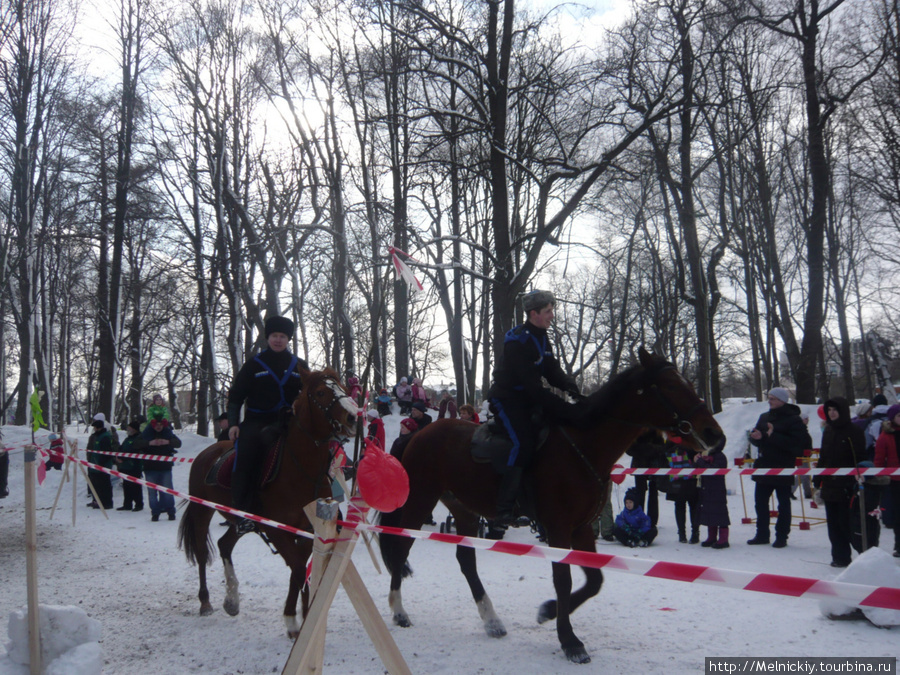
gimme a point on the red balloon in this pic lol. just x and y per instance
(618, 480)
(383, 482)
(821, 412)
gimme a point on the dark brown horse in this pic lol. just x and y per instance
(569, 475)
(322, 412)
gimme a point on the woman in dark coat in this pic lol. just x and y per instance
(714, 498)
(843, 445)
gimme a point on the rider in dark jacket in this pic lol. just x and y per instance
(518, 396)
(268, 384)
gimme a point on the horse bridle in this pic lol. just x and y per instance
(338, 396)
(682, 424)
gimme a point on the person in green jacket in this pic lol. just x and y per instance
(134, 443)
(100, 440)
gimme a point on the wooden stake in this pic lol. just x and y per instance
(34, 615)
(307, 655)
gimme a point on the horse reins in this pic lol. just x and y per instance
(335, 426)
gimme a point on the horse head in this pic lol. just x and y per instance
(671, 405)
(324, 406)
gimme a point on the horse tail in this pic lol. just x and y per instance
(388, 543)
(196, 544)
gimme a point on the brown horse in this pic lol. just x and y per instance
(568, 479)
(322, 412)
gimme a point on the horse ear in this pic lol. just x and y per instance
(645, 357)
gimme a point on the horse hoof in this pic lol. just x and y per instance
(547, 611)
(577, 654)
(206, 609)
(495, 628)
(231, 607)
(293, 634)
(402, 620)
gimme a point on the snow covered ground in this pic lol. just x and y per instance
(127, 573)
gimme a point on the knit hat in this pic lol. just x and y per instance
(864, 409)
(632, 494)
(879, 399)
(223, 416)
(781, 394)
(372, 414)
(279, 324)
(135, 424)
(403, 380)
(418, 405)
(537, 300)
(893, 411)
(410, 424)
(99, 421)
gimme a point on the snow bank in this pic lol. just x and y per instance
(69, 641)
(875, 567)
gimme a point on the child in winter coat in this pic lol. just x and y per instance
(384, 402)
(158, 407)
(714, 499)
(404, 396)
(376, 428)
(418, 393)
(354, 389)
(633, 526)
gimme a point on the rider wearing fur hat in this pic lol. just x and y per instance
(267, 384)
(518, 396)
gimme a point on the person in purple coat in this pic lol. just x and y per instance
(714, 498)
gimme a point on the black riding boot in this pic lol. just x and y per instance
(243, 498)
(4, 474)
(506, 499)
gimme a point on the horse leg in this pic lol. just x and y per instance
(193, 537)
(395, 551)
(467, 525)
(295, 553)
(572, 647)
(592, 584)
(232, 604)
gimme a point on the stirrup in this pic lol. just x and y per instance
(244, 526)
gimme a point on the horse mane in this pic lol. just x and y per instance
(601, 402)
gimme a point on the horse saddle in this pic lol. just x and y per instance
(221, 470)
(491, 444)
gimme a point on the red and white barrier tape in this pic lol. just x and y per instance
(854, 594)
(137, 455)
(795, 471)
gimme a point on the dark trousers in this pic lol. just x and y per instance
(133, 493)
(516, 419)
(633, 539)
(894, 491)
(251, 453)
(783, 523)
(837, 519)
(681, 507)
(103, 487)
(647, 486)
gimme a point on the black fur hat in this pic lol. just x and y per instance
(279, 324)
(633, 495)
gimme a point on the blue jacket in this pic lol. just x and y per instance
(634, 521)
